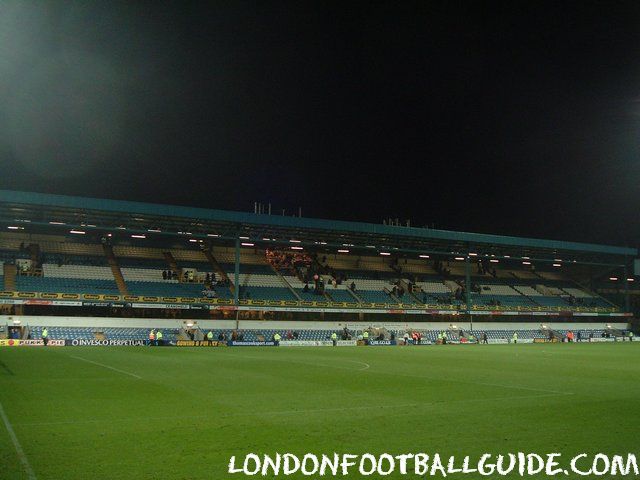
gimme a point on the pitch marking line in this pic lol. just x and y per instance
(531, 389)
(365, 366)
(23, 458)
(107, 366)
(498, 385)
(405, 405)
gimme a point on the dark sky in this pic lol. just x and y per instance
(514, 118)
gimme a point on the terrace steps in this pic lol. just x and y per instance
(219, 270)
(354, 295)
(414, 297)
(285, 283)
(34, 253)
(10, 271)
(328, 296)
(115, 269)
(524, 295)
(171, 262)
(451, 285)
(391, 295)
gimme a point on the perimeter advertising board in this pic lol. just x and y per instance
(30, 343)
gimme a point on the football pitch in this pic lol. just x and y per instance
(181, 413)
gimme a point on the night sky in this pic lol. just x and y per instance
(506, 118)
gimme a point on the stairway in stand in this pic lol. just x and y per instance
(219, 270)
(115, 269)
(10, 272)
(173, 265)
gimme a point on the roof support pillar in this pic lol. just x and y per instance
(467, 288)
(627, 306)
(236, 273)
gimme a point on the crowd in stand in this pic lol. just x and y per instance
(443, 268)
(318, 284)
(579, 301)
(291, 335)
(169, 275)
(398, 290)
(302, 266)
(439, 267)
(485, 270)
(346, 334)
(290, 263)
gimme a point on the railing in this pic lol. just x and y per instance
(291, 303)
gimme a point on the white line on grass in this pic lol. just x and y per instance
(365, 366)
(23, 458)
(513, 387)
(488, 399)
(107, 366)
(531, 389)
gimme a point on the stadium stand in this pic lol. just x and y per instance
(83, 269)
(108, 251)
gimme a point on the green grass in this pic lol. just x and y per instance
(191, 409)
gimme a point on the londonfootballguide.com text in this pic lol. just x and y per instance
(435, 465)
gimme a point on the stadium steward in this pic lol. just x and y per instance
(334, 338)
(45, 336)
(276, 339)
(159, 341)
(515, 337)
(365, 337)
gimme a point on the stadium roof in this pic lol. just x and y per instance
(47, 213)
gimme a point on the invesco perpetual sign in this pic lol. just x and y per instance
(106, 343)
